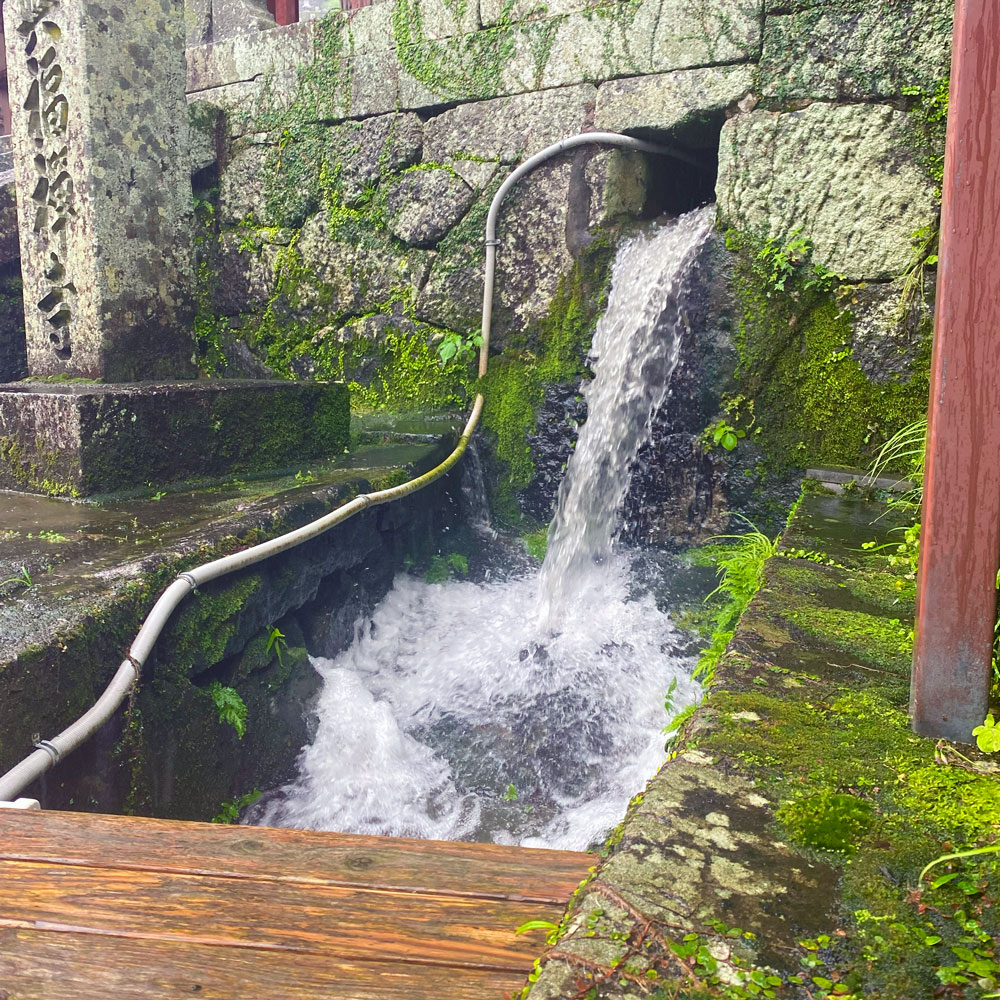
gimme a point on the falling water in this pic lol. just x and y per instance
(527, 709)
(635, 351)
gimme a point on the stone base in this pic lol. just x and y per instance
(78, 439)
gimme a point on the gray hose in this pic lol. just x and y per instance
(50, 752)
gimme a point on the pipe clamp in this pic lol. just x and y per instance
(51, 749)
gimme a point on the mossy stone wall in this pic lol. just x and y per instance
(333, 127)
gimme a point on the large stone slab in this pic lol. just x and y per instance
(421, 55)
(508, 129)
(77, 439)
(677, 103)
(842, 176)
(860, 51)
(104, 194)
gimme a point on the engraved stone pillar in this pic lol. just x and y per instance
(101, 151)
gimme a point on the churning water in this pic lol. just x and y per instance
(526, 710)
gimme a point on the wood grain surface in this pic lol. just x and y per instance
(107, 906)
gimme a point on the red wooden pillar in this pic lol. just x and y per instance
(285, 11)
(960, 545)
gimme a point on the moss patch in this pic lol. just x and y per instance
(799, 385)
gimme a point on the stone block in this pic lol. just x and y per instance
(102, 156)
(655, 36)
(349, 282)
(845, 177)
(79, 439)
(424, 204)
(508, 129)
(368, 149)
(197, 22)
(676, 103)
(208, 124)
(239, 17)
(858, 51)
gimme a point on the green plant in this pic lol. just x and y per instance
(904, 453)
(22, 580)
(510, 794)
(305, 476)
(51, 536)
(230, 706)
(723, 435)
(444, 567)
(455, 347)
(231, 809)
(988, 735)
(536, 543)
(276, 641)
(741, 566)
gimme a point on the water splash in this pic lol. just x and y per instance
(635, 350)
(456, 714)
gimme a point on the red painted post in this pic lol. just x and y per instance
(286, 11)
(270, 7)
(960, 545)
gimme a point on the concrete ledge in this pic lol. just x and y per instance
(80, 439)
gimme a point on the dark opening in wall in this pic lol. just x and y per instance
(675, 185)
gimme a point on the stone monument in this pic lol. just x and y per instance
(102, 170)
(102, 165)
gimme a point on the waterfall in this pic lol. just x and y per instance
(526, 709)
(635, 350)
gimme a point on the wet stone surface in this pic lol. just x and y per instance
(82, 439)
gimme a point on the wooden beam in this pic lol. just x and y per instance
(960, 547)
(286, 11)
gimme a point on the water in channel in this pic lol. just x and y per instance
(527, 709)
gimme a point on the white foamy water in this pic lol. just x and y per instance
(525, 710)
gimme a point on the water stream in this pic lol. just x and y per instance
(526, 709)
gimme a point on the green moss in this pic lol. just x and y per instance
(202, 630)
(799, 384)
(553, 352)
(836, 755)
(885, 643)
(536, 543)
(827, 820)
(37, 470)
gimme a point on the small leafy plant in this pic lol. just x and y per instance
(23, 579)
(276, 641)
(230, 810)
(444, 567)
(724, 435)
(231, 707)
(455, 347)
(988, 735)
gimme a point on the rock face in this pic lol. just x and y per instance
(376, 145)
(680, 104)
(856, 51)
(811, 172)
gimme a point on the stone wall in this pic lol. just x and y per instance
(355, 157)
(343, 168)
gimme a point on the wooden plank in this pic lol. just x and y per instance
(348, 923)
(36, 965)
(487, 871)
(960, 543)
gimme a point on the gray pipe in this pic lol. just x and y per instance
(50, 752)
